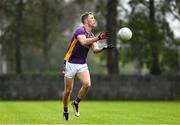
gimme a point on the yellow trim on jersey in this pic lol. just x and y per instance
(68, 54)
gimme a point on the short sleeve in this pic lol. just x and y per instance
(79, 31)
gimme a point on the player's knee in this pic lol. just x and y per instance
(87, 84)
(68, 91)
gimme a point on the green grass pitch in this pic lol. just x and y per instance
(92, 112)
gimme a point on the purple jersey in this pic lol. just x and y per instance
(77, 53)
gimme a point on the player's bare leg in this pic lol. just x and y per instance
(68, 86)
(84, 77)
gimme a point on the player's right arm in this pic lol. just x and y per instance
(88, 41)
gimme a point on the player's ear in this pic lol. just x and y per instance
(85, 21)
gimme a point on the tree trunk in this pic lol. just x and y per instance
(18, 41)
(155, 67)
(111, 26)
(45, 38)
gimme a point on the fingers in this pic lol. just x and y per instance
(64, 70)
(104, 35)
(108, 34)
(110, 46)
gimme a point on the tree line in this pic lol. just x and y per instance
(34, 34)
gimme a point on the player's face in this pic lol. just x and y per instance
(91, 20)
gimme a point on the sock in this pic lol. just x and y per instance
(77, 100)
(65, 109)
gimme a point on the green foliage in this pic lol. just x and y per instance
(149, 37)
(53, 21)
(32, 31)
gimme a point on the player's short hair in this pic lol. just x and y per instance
(85, 15)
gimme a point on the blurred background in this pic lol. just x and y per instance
(34, 36)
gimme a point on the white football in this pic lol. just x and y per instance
(125, 33)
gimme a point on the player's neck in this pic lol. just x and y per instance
(88, 28)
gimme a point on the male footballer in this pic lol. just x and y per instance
(75, 61)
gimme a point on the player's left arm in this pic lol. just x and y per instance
(95, 48)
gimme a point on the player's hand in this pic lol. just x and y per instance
(103, 35)
(64, 70)
(110, 46)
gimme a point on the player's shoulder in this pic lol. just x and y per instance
(79, 30)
